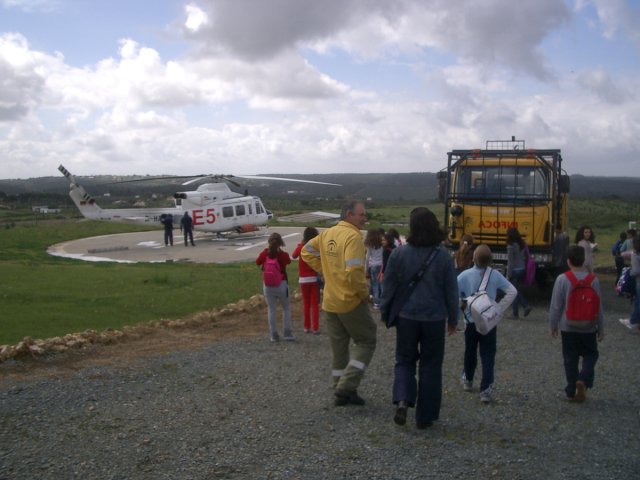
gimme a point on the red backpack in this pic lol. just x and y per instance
(271, 272)
(583, 305)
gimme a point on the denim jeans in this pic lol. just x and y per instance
(516, 278)
(375, 286)
(488, 346)
(272, 295)
(574, 346)
(635, 313)
(421, 342)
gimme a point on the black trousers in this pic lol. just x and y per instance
(574, 346)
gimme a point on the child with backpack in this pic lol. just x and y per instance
(274, 261)
(309, 285)
(471, 281)
(576, 311)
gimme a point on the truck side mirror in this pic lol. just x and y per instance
(564, 184)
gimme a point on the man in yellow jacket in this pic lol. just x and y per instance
(339, 254)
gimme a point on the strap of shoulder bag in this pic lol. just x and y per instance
(485, 280)
(423, 268)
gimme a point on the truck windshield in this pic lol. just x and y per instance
(509, 184)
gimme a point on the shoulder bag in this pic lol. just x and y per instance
(483, 308)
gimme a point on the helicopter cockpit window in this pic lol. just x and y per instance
(227, 212)
(259, 208)
(240, 210)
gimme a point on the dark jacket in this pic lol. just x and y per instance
(435, 297)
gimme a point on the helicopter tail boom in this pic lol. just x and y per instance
(85, 202)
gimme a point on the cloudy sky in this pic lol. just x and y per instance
(313, 86)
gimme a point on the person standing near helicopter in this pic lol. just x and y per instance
(186, 225)
(167, 221)
(274, 261)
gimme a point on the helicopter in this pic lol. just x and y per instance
(214, 207)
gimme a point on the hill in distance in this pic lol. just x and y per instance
(388, 187)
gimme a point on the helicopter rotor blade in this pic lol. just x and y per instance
(282, 179)
(226, 178)
(218, 177)
(150, 179)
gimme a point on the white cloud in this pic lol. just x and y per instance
(22, 85)
(487, 32)
(196, 18)
(599, 82)
(615, 16)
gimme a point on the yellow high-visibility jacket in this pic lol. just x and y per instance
(339, 254)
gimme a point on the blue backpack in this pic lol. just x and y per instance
(615, 249)
(626, 286)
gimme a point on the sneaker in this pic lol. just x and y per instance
(485, 395)
(581, 392)
(467, 385)
(344, 397)
(288, 337)
(307, 330)
(527, 311)
(631, 326)
(316, 332)
(401, 413)
(275, 338)
(423, 425)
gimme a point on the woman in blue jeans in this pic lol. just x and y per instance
(633, 322)
(430, 312)
(374, 260)
(516, 262)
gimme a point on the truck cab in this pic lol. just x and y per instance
(487, 191)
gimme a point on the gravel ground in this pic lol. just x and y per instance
(243, 408)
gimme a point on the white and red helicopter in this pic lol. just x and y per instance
(214, 207)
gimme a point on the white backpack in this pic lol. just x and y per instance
(483, 309)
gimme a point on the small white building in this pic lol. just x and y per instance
(44, 209)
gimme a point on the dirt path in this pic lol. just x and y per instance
(134, 348)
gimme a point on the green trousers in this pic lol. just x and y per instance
(349, 364)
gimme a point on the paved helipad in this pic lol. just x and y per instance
(149, 247)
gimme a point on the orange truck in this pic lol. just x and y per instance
(485, 192)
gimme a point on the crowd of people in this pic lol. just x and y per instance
(360, 276)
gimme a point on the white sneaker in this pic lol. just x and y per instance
(631, 326)
(485, 395)
(466, 384)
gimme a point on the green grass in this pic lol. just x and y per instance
(44, 296)
(607, 218)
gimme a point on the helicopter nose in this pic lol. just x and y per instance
(269, 214)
